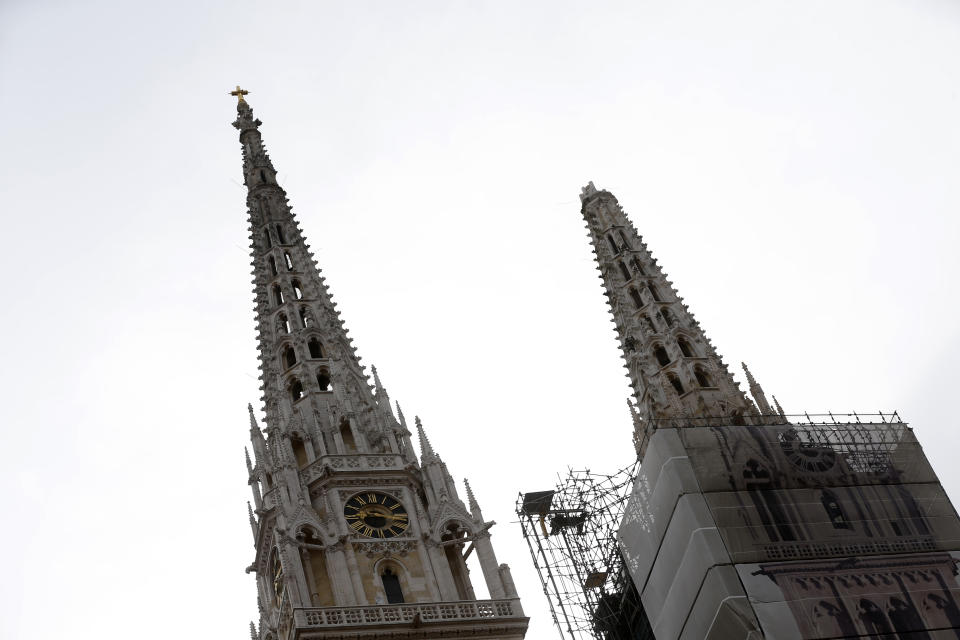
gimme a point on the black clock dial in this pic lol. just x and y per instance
(376, 515)
(808, 457)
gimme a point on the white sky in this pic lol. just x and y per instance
(793, 165)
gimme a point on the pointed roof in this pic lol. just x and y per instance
(293, 302)
(426, 449)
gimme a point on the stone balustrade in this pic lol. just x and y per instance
(425, 612)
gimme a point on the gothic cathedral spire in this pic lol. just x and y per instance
(352, 535)
(674, 370)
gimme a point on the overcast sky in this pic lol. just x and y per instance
(792, 165)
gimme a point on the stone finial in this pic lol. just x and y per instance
(472, 501)
(253, 418)
(381, 391)
(757, 392)
(750, 380)
(246, 454)
(253, 627)
(426, 450)
(587, 191)
(779, 408)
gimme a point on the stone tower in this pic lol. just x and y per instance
(354, 536)
(746, 523)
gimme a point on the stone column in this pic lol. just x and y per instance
(488, 564)
(339, 576)
(441, 570)
(355, 573)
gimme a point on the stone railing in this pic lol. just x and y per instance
(425, 612)
(352, 462)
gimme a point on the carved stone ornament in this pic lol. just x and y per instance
(385, 549)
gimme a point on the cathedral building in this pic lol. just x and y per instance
(746, 523)
(355, 536)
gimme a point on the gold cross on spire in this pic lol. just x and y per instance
(239, 93)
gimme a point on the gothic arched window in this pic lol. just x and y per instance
(834, 511)
(677, 385)
(316, 350)
(703, 378)
(296, 390)
(266, 238)
(277, 294)
(685, 347)
(391, 586)
(288, 261)
(667, 316)
(661, 354)
(637, 268)
(323, 380)
(650, 324)
(624, 271)
(280, 236)
(289, 356)
(623, 239)
(273, 265)
(637, 300)
(346, 434)
(306, 319)
(613, 245)
(297, 291)
(654, 293)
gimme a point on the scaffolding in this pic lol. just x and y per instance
(572, 535)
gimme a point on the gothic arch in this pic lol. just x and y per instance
(391, 566)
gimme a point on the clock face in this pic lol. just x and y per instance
(806, 456)
(376, 515)
(277, 572)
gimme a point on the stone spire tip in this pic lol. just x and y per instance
(426, 449)
(471, 499)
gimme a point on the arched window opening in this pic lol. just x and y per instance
(297, 291)
(346, 434)
(649, 323)
(296, 390)
(624, 271)
(391, 586)
(661, 354)
(637, 268)
(623, 239)
(283, 324)
(613, 245)
(767, 503)
(677, 385)
(906, 620)
(637, 300)
(263, 176)
(277, 294)
(654, 293)
(316, 351)
(667, 316)
(703, 378)
(289, 356)
(834, 511)
(306, 319)
(273, 265)
(458, 566)
(685, 348)
(873, 618)
(323, 380)
(280, 237)
(286, 258)
(299, 451)
(266, 238)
